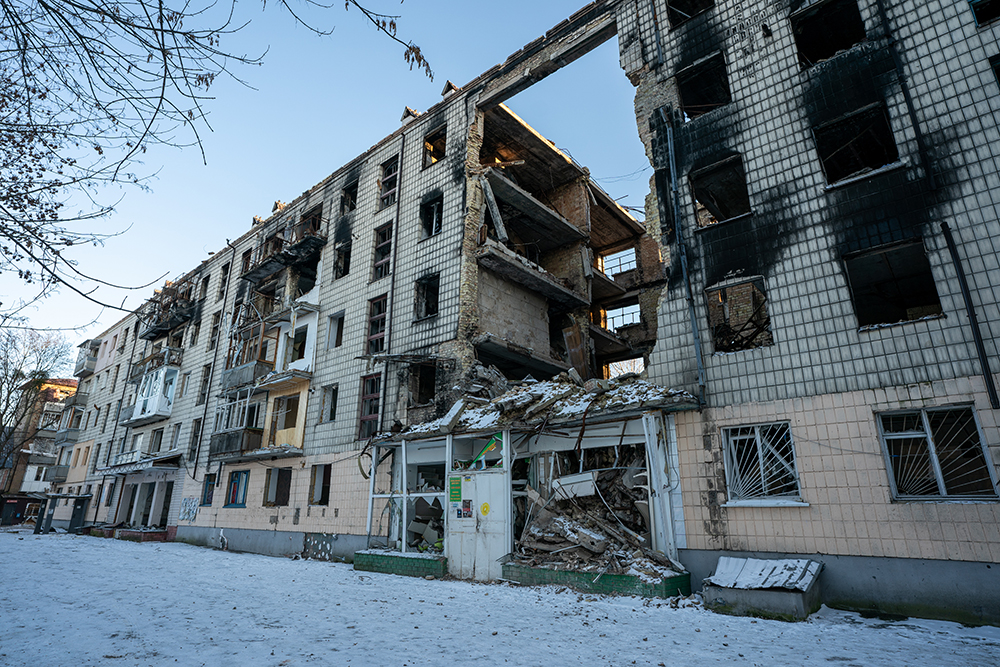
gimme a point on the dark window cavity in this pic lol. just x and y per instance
(286, 411)
(737, 316)
(383, 252)
(277, 485)
(342, 259)
(423, 383)
(434, 146)
(223, 282)
(936, 453)
(825, 29)
(377, 309)
(892, 284)
(720, 192)
(371, 388)
(427, 289)
(995, 64)
(856, 144)
(299, 343)
(329, 403)
(349, 198)
(703, 87)
(985, 10)
(388, 183)
(430, 217)
(208, 490)
(319, 485)
(679, 11)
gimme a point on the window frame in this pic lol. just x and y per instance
(335, 330)
(208, 490)
(349, 197)
(328, 410)
(326, 470)
(823, 130)
(431, 217)
(388, 183)
(931, 450)
(379, 319)
(277, 487)
(427, 292)
(236, 489)
(431, 155)
(856, 287)
(734, 474)
(382, 254)
(366, 402)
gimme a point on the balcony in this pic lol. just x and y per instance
(230, 444)
(296, 245)
(168, 356)
(515, 268)
(56, 474)
(85, 364)
(241, 376)
(127, 457)
(170, 307)
(77, 399)
(67, 435)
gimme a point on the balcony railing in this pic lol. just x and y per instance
(168, 356)
(245, 374)
(230, 443)
(79, 399)
(127, 457)
(85, 365)
(56, 474)
(67, 435)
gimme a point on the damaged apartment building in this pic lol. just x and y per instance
(813, 288)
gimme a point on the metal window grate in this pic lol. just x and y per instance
(936, 454)
(760, 462)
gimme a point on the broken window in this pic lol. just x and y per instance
(679, 11)
(311, 222)
(223, 282)
(110, 493)
(423, 384)
(434, 146)
(427, 289)
(371, 388)
(206, 379)
(995, 64)
(620, 316)
(737, 316)
(335, 331)
(720, 192)
(208, 490)
(175, 437)
(377, 308)
(204, 288)
(892, 284)
(388, 183)
(703, 86)
(430, 217)
(985, 10)
(277, 485)
(613, 263)
(824, 29)
(286, 411)
(247, 261)
(299, 343)
(216, 326)
(329, 410)
(342, 259)
(760, 462)
(936, 453)
(349, 198)
(383, 252)
(855, 144)
(156, 441)
(195, 330)
(236, 495)
(319, 484)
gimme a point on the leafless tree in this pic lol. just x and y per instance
(86, 86)
(27, 360)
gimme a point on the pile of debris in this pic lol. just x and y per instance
(426, 530)
(594, 521)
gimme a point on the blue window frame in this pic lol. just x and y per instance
(236, 494)
(208, 492)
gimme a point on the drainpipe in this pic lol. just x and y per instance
(682, 252)
(973, 321)
(910, 108)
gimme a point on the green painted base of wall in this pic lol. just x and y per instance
(610, 584)
(407, 567)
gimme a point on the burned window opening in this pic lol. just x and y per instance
(995, 64)
(430, 217)
(737, 316)
(985, 10)
(349, 198)
(827, 28)
(277, 487)
(427, 291)
(892, 284)
(679, 11)
(703, 87)
(720, 192)
(371, 392)
(388, 183)
(423, 384)
(377, 310)
(435, 144)
(319, 484)
(342, 260)
(621, 315)
(856, 144)
(383, 252)
(310, 224)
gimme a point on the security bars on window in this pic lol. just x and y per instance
(760, 462)
(936, 454)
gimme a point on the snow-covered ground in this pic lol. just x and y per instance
(69, 600)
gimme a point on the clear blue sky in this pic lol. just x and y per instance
(316, 103)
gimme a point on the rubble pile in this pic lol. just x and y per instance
(595, 521)
(426, 530)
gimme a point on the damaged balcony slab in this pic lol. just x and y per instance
(232, 444)
(608, 343)
(511, 139)
(285, 314)
(604, 287)
(245, 375)
(610, 224)
(283, 380)
(168, 460)
(302, 251)
(508, 264)
(515, 359)
(544, 228)
(262, 454)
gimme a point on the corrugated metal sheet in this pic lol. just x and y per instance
(751, 573)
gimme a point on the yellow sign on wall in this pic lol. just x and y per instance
(485, 509)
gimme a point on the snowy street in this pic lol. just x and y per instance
(71, 600)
